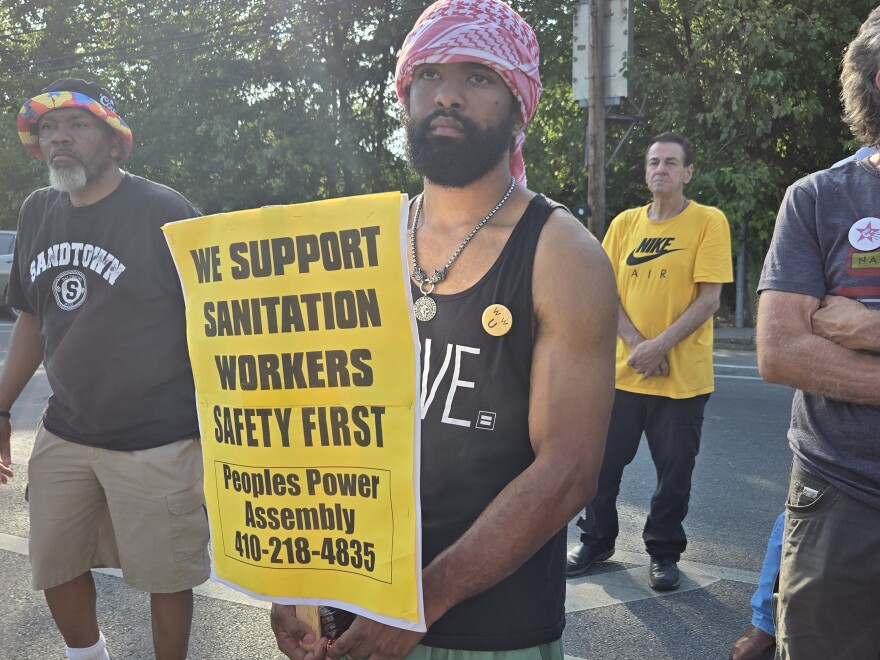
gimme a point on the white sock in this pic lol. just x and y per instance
(98, 651)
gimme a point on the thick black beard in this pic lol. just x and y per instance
(451, 163)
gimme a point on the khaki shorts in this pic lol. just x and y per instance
(141, 511)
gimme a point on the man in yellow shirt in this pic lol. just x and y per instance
(670, 259)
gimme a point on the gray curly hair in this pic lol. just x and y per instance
(860, 96)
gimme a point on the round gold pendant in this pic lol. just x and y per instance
(424, 308)
(497, 320)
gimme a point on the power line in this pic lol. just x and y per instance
(128, 13)
(150, 55)
(153, 42)
(92, 21)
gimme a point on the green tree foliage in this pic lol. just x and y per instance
(236, 103)
(241, 103)
(754, 84)
(554, 150)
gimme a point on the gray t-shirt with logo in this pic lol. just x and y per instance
(827, 241)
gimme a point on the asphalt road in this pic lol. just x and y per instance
(739, 488)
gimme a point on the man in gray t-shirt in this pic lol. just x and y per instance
(819, 331)
(759, 638)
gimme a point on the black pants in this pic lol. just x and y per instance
(673, 428)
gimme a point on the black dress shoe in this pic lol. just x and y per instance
(663, 574)
(582, 557)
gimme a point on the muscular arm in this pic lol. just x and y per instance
(791, 354)
(648, 356)
(23, 356)
(572, 388)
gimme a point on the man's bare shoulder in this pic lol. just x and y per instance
(564, 237)
(565, 242)
(572, 270)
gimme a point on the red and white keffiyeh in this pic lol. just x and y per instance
(484, 31)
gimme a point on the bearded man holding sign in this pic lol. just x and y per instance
(517, 323)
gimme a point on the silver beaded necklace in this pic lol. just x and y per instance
(425, 308)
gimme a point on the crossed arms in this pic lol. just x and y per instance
(820, 347)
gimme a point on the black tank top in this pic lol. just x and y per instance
(475, 441)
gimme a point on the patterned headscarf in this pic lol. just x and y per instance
(484, 31)
(70, 93)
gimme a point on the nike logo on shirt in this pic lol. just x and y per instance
(649, 249)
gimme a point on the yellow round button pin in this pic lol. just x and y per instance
(497, 320)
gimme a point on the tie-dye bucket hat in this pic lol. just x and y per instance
(70, 93)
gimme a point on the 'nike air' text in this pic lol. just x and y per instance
(650, 248)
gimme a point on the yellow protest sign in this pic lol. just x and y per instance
(304, 354)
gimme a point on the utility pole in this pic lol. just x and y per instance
(596, 121)
(602, 40)
(739, 315)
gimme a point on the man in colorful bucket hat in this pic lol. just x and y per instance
(115, 477)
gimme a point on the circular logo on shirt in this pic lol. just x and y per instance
(864, 235)
(497, 320)
(69, 289)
